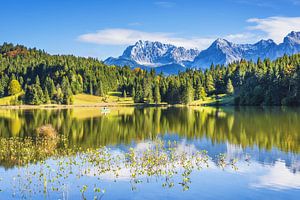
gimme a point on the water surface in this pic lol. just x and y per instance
(265, 143)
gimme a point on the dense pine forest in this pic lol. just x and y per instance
(42, 78)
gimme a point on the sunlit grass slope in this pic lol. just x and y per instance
(222, 99)
(10, 99)
(112, 97)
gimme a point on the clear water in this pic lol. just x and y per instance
(266, 143)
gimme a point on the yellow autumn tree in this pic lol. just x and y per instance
(14, 87)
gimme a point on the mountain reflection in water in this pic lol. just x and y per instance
(265, 141)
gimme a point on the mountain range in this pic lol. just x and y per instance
(170, 59)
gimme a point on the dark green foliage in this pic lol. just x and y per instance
(157, 97)
(139, 94)
(100, 91)
(59, 97)
(56, 78)
(76, 84)
(200, 93)
(34, 95)
(188, 93)
(47, 97)
(210, 85)
(147, 87)
(66, 90)
(50, 87)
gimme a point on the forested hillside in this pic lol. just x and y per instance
(37, 77)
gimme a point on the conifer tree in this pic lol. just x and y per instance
(229, 87)
(100, 91)
(49, 85)
(139, 95)
(188, 93)
(124, 93)
(203, 94)
(66, 90)
(133, 93)
(157, 97)
(47, 98)
(210, 85)
(59, 95)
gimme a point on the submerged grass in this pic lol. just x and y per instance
(162, 160)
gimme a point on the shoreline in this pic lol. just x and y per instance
(57, 106)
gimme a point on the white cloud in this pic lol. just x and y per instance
(130, 36)
(279, 177)
(275, 28)
(240, 38)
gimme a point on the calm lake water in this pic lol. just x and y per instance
(260, 148)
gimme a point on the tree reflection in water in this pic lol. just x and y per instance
(266, 128)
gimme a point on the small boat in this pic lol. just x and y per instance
(105, 110)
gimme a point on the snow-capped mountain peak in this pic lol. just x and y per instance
(265, 43)
(147, 54)
(155, 54)
(221, 43)
(293, 37)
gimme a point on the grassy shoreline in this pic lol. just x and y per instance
(91, 101)
(80, 106)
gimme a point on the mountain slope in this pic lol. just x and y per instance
(146, 54)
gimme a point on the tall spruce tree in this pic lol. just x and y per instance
(139, 94)
(229, 87)
(157, 97)
(210, 85)
(188, 93)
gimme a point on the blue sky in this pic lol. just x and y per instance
(102, 28)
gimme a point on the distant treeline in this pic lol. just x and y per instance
(45, 78)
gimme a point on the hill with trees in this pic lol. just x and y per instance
(42, 78)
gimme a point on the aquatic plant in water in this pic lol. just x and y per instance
(45, 164)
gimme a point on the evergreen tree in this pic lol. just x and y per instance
(157, 97)
(2, 91)
(76, 84)
(37, 92)
(100, 91)
(47, 98)
(198, 91)
(229, 87)
(148, 93)
(149, 96)
(139, 96)
(163, 91)
(66, 90)
(133, 93)
(34, 95)
(188, 93)
(59, 95)
(49, 85)
(29, 94)
(264, 82)
(91, 91)
(203, 94)
(124, 93)
(37, 80)
(210, 85)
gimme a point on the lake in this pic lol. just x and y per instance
(151, 153)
